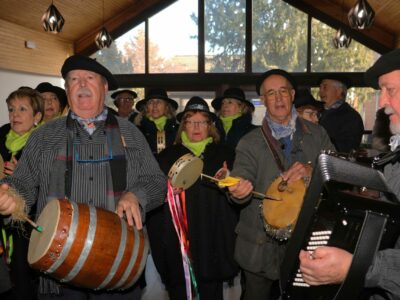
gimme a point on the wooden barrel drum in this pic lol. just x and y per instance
(87, 247)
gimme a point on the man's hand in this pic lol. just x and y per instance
(7, 202)
(242, 189)
(326, 265)
(129, 204)
(297, 171)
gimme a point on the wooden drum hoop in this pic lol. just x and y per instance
(185, 171)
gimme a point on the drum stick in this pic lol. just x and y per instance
(34, 225)
(261, 195)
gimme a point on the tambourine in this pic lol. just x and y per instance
(185, 171)
(2, 175)
(280, 216)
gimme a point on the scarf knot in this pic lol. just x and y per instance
(196, 147)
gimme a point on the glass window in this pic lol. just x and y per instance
(279, 36)
(326, 58)
(225, 36)
(126, 53)
(173, 42)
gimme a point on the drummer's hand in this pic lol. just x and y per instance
(223, 172)
(129, 204)
(7, 202)
(242, 189)
(297, 171)
(326, 265)
(9, 166)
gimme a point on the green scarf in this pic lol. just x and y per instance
(160, 122)
(196, 147)
(227, 121)
(15, 142)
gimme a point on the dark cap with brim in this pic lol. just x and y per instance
(44, 87)
(234, 93)
(280, 72)
(197, 104)
(385, 64)
(157, 94)
(81, 62)
(303, 97)
(115, 94)
(337, 77)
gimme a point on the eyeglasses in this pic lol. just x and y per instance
(125, 99)
(50, 99)
(107, 158)
(283, 92)
(191, 124)
(312, 114)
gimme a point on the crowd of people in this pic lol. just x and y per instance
(203, 238)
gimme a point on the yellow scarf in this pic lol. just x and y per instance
(196, 147)
(15, 142)
(227, 121)
(160, 122)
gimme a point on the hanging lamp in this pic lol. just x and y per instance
(103, 38)
(361, 15)
(52, 20)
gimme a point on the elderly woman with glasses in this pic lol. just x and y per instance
(25, 111)
(307, 107)
(210, 218)
(124, 101)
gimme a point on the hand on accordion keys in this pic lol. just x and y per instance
(325, 265)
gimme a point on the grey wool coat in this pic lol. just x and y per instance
(255, 251)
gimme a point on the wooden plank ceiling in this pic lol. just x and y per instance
(84, 18)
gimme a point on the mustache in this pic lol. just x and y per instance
(83, 91)
(389, 110)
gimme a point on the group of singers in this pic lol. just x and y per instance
(121, 163)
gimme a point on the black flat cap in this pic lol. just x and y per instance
(337, 77)
(60, 93)
(385, 64)
(197, 103)
(81, 62)
(234, 93)
(280, 72)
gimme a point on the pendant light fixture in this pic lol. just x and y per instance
(103, 38)
(52, 20)
(341, 38)
(361, 15)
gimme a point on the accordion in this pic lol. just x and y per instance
(337, 211)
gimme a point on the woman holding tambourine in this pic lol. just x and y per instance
(207, 242)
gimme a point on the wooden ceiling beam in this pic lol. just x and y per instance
(121, 23)
(332, 14)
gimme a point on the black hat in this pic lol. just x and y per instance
(235, 93)
(197, 104)
(303, 97)
(280, 72)
(80, 62)
(385, 64)
(115, 94)
(337, 77)
(60, 93)
(157, 94)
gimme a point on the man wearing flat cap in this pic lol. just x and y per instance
(286, 148)
(330, 265)
(89, 156)
(342, 122)
(124, 101)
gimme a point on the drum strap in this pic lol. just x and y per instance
(272, 144)
(117, 163)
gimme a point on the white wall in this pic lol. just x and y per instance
(10, 81)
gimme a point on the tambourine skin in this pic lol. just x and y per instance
(284, 213)
(185, 171)
(87, 247)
